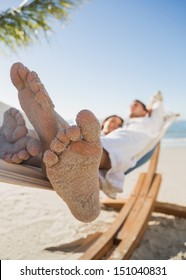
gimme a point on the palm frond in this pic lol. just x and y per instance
(20, 26)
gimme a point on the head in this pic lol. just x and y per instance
(111, 123)
(138, 109)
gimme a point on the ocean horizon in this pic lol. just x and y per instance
(175, 135)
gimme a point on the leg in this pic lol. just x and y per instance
(15, 145)
(72, 165)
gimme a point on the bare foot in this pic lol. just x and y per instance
(72, 165)
(35, 102)
(13, 126)
(15, 145)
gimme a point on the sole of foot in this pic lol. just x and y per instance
(72, 165)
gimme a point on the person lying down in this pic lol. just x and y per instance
(77, 160)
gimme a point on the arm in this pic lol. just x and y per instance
(156, 110)
(155, 100)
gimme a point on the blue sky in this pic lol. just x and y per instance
(109, 53)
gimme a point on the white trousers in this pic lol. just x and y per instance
(122, 147)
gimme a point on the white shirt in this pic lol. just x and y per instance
(124, 144)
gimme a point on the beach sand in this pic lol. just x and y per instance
(36, 223)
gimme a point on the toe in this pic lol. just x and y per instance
(16, 159)
(23, 155)
(57, 147)
(8, 158)
(50, 158)
(33, 147)
(73, 133)
(38, 88)
(12, 158)
(43, 98)
(33, 81)
(23, 72)
(18, 133)
(62, 137)
(89, 125)
(15, 67)
(20, 121)
(16, 74)
(13, 111)
(19, 118)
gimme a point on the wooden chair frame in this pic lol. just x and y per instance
(125, 233)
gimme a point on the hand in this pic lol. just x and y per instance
(158, 96)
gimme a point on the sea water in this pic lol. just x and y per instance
(175, 135)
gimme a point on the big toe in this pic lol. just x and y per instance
(89, 125)
(18, 74)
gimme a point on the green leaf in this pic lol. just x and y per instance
(20, 26)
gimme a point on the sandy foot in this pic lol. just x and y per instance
(35, 102)
(72, 165)
(13, 126)
(15, 145)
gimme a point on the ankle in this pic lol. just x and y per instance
(105, 161)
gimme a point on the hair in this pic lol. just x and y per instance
(142, 104)
(112, 116)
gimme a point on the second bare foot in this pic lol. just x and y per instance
(15, 145)
(13, 127)
(72, 165)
